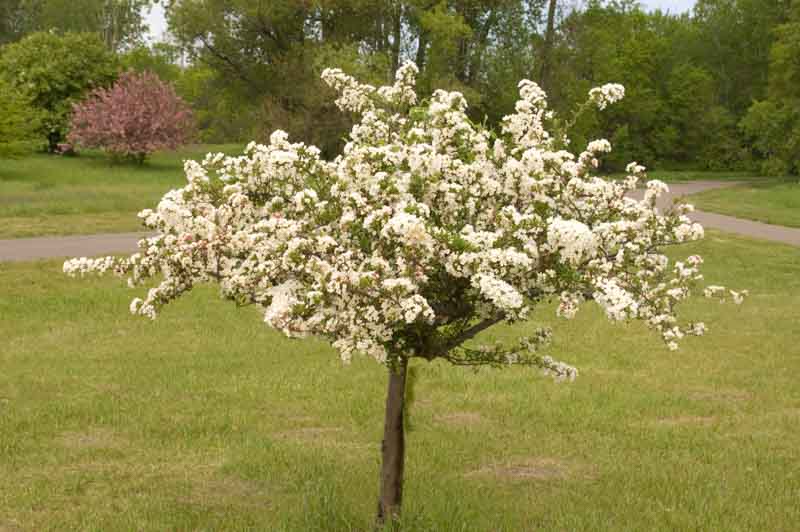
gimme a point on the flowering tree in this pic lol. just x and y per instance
(138, 115)
(427, 230)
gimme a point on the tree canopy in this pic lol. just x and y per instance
(53, 71)
(18, 122)
(119, 23)
(690, 77)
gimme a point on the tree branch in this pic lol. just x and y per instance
(237, 68)
(472, 332)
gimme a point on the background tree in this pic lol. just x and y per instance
(53, 71)
(18, 122)
(138, 115)
(162, 59)
(250, 67)
(274, 53)
(545, 55)
(734, 41)
(118, 23)
(264, 61)
(15, 20)
(773, 124)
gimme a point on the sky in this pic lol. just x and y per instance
(673, 6)
(155, 19)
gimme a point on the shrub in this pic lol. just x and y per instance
(140, 114)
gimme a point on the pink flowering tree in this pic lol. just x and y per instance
(138, 115)
(427, 230)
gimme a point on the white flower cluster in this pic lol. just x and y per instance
(503, 296)
(606, 95)
(572, 240)
(618, 303)
(425, 231)
(84, 265)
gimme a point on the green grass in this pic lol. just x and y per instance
(207, 420)
(773, 201)
(50, 195)
(684, 176)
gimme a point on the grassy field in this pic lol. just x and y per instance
(49, 195)
(774, 201)
(684, 176)
(207, 420)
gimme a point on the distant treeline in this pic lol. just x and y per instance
(717, 88)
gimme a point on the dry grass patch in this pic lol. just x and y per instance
(615, 374)
(328, 437)
(721, 395)
(308, 433)
(95, 438)
(87, 452)
(9, 526)
(791, 412)
(460, 418)
(226, 491)
(679, 421)
(539, 468)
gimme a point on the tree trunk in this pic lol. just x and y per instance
(547, 49)
(422, 47)
(397, 29)
(53, 138)
(393, 447)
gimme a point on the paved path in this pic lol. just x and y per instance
(20, 249)
(68, 246)
(776, 233)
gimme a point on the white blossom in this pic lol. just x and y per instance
(504, 296)
(606, 95)
(572, 239)
(618, 303)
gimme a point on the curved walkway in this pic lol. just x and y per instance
(20, 249)
(730, 224)
(68, 246)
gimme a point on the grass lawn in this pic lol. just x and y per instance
(684, 176)
(774, 201)
(207, 420)
(50, 195)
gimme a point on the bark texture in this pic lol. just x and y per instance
(393, 447)
(547, 49)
